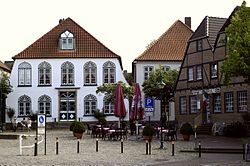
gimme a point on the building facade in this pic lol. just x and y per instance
(166, 52)
(200, 96)
(59, 74)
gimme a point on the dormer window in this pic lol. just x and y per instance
(67, 41)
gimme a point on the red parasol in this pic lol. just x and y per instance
(137, 108)
(119, 110)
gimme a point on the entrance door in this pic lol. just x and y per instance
(67, 106)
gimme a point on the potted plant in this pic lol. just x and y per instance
(148, 132)
(78, 129)
(186, 130)
(10, 112)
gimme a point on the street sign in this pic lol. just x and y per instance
(41, 122)
(149, 106)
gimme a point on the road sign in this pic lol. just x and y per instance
(41, 122)
(149, 106)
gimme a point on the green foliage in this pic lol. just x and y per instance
(72, 125)
(129, 78)
(102, 120)
(33, 116)
(78, 127)
(5, 86)
(186, 129)
(148, 130)
(238, 34)
(109, 90)
(10, 112)
(151, 86)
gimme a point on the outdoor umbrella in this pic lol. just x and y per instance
(137, 108)
(119, 110)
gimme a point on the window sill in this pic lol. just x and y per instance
(24, 86)
(43, 85)
(90, 85)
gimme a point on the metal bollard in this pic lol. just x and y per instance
(199, 148)
(147, 147)
(57, 145)
(35, 147)
(96, 145)
(78, 146)
(172, 148)
(121, 145)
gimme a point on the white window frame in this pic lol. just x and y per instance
(214, 70)
(217, 103)
(199, 72)
(193, 104)
(229, 102)
(147, 71)
(44, 73)
(109, 73)
(108, 107)
(44, 105)
(67, 41)
(24, 74)
(67, 73)
(90, 104)
(242, 101)
(183, 105)
(24, 106)
(190, 74)
(90, 73)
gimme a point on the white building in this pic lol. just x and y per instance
(59, 73)
(167, 51)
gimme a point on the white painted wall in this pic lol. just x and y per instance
(140, 79)
(35, 92)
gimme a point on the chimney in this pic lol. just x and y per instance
(61, 20)
(188, 21)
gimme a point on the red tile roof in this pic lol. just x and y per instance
(4, 67)
(170, 46)
(86, 46)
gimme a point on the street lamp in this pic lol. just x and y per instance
(161, 86)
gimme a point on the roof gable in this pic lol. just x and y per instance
(209, 27)
(86, 46)
(4, 67)
(170, 45)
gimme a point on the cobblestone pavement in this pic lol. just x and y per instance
(109, 152)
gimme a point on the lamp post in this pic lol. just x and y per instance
(161, 86)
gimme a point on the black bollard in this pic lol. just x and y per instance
(96, 145)
(121, 145)
(35, 147)
(172, 148)
(147, 147)
(199, 148)
(57, 145)
(78, 146)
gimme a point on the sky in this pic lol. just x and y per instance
(126, 27)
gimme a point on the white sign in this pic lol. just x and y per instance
(41, 122)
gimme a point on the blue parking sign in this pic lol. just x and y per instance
(149, 103)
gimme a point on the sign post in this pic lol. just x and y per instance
(41, 128)
(149, 107)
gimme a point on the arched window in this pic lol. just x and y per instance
(24, 74)
(90, 104)
(67, 41)
(89, 73)
(44, 73)
(24, 106)
(108, 106)
(67, 73)
(109, 72)
(44, 105)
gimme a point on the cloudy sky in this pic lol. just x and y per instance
(124, 26)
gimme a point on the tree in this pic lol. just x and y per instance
(238, 33)
(109, 90)
(151, 86)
